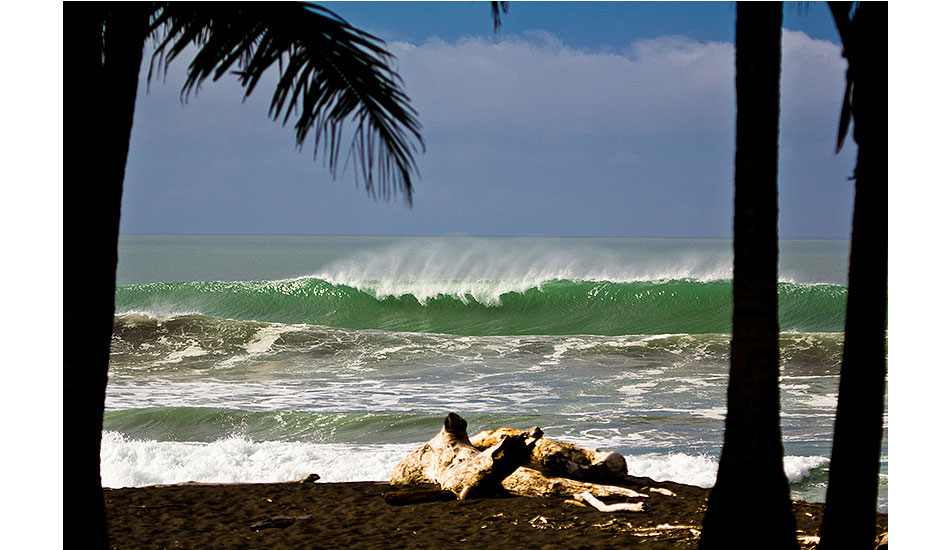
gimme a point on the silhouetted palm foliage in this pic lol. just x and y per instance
(330, 75)
(840, 12)
(496, 9)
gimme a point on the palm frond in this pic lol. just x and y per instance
(331, 76)
(496, 9)
(840, 12)
(844, 122)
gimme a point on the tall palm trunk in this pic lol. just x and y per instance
(102, 56)
(750, 499)
(336, 74)
(851, 502)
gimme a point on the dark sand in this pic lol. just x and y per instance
(355, 516)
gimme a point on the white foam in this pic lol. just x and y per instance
(571, 344)
(260, 343)
(160, 314)
(265, 337)
(194, 349)
(637, 389)
(826, 401)
(692, 383)
(130, 462)
(713, 413)
(135, 463)
(798, 468)
(700, 470)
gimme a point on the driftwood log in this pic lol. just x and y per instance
(451, 461)
(520, 462)
(559, 459)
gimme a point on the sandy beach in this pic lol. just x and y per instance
(355, 515)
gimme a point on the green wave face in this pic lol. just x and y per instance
(484, 308)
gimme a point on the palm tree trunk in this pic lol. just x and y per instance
(102, 56)
(851, 501)
(750, 499)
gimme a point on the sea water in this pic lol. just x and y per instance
(267, 358)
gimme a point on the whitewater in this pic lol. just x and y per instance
(266, 358)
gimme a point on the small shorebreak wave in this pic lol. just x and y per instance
(138, 462)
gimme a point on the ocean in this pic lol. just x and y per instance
(267, 358)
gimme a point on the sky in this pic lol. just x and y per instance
(575, 119)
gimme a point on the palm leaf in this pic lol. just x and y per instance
(840, 12)
(331, 77)
(496, 9)
(844, 122)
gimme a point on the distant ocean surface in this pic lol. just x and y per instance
(266, 358)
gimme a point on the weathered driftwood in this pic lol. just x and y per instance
(451, 461)
(561, 469)
(526, 481)
(600, 505)
(556, 458)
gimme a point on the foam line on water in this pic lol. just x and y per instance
(700, 470)
(128, 462)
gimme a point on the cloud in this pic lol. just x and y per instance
(535, 86)
(812, 83)
(574, 141)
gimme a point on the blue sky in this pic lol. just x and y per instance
(576, 119)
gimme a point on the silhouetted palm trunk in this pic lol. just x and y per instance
(851, 503)
(750, 501)
(101, 66)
